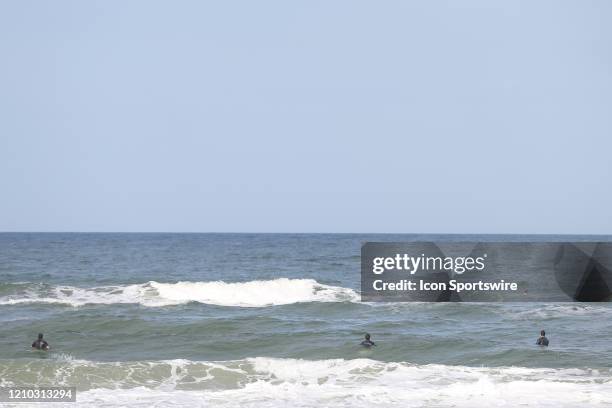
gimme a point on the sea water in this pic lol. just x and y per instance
(275, 320)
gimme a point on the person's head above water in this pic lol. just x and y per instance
(40, 344)
(367, 342)
(542, 333)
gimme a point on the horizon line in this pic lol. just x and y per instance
(299, 233)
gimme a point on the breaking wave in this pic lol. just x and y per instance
(257, 293)
(272, 382)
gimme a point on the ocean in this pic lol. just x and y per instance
(275, 320)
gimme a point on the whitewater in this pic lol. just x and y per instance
(270, 382)
(256, 293)
(271, 320)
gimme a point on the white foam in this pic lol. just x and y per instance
(551, 311)
(257, 293)
(270, 382)
(75, 296)
(254, 293)
(355, 382)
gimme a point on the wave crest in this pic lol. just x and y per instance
(258, 293)
(276, 382)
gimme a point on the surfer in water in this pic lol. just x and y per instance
(40, 344)
(542, 340)
(367, 342)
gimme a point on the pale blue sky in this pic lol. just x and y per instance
(306, 116)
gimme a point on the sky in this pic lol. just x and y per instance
(306, 116)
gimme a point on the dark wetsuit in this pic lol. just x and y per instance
(542, 341)
(40, 344)
(368, 343)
